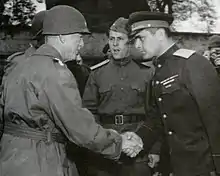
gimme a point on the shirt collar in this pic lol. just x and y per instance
(122, 62)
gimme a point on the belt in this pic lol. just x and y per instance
(27, 132)
(120, 119)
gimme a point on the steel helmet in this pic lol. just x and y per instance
(63, 19)
(37, 23)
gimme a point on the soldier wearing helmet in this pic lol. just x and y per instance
(114, 93)
(36, 30)
(42, 106)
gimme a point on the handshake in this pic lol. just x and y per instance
(132, 144)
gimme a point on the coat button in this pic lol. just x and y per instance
(122, 88)
(122, 79)
(160, 99)
(170, 132)
(157, 82)
(159, 66)
(164, 116)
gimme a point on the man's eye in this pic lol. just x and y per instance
(142, 38)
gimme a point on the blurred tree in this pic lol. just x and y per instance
(160, 5)
(200, 12)
(2, 7)
(18, 12)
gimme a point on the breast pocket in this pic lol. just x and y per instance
(138, 88)
(105, 92)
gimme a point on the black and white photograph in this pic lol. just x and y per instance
(109, 88)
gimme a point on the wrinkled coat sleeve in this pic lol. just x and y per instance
(77, 123)
(203, 83)
(91, 96)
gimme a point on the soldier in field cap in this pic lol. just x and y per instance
(184, 100)
(114, 93)
(41, 107)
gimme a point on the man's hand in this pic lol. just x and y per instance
(153, 160)
(131, 144)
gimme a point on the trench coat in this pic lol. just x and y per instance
(42, 94)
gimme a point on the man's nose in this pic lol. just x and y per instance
(138, 44)
(115, 42)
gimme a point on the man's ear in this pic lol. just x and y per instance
(160, 33)
(62, 39)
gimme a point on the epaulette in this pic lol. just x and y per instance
(10, 58)
(100, 64)
(185, 53)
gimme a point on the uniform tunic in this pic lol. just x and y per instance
(118, 88)
(185, 98)
(42, 94)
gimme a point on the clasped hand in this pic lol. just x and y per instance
(132, 144)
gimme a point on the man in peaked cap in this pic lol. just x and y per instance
(42, 107)
(114, 93)
(184, 98)
(214, 51)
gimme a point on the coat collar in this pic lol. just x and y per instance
(166, 55)
(48, 50)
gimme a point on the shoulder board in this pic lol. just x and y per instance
(185, 53)
(99, 64)
(10, 58)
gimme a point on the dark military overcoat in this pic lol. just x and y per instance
(185, 100)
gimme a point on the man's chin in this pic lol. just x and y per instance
(117, 57)
(147, 57)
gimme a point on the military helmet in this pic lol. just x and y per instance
(37, 23)
(214, 41)
(63, 19)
